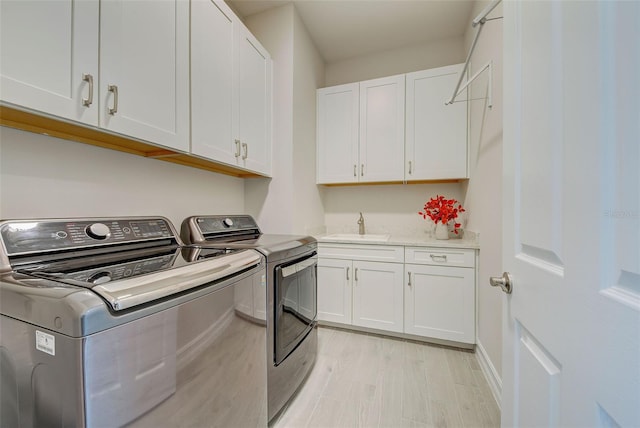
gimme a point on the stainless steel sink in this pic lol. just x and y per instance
(369, 237)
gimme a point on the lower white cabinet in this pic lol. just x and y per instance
(439, 298)
(439, 302)
(377, 295)
(419, 291)
(355, 289)
(334, 290)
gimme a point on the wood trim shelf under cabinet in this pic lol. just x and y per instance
(46, 125)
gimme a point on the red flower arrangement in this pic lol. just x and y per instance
(442, 210)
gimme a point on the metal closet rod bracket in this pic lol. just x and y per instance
(479, 22)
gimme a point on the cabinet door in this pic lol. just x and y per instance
(334, 290)
(254, 103)
(212, 79)
(144, 70)
(440, 302)
(46, 49)
(377, 295)
(436, 145)
(382, 130)
(337, 134)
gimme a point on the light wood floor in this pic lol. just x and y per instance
(362, 380)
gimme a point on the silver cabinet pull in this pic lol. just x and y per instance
(237, 143)
(89, 79)
(409, 167)
(362, 170)
(409, 279)
(356, 274)
(114, 89)
(246, 151)
(505, 282)
(348, 274)
(438, 257)
(355, 167)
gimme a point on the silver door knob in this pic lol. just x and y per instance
(505, 282)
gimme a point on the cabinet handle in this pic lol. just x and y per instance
(356, 274)
(355, 167)
(438, 257)
(89, 79)
(409, 279)
(348, 274)
(409, 167)
(362, 170)
(114, 89)
(246, 151)
(237, 142)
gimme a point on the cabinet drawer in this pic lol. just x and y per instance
(440, 256)
(376, 253)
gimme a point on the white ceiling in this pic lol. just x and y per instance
(344, 29)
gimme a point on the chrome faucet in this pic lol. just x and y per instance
(361, 225)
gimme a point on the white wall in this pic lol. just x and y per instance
(290, 202)
(484, 195)
(42, 176)
(270, 201)
(391, 208)
(396, 61)
(308, 76)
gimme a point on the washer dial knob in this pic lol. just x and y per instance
(98, 231)
(227, 222)
(100, 278)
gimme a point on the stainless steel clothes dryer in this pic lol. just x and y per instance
(291, 299)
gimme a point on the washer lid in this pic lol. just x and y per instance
(134, 278)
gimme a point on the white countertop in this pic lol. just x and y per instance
(469, 241)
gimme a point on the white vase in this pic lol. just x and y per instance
(442, 231)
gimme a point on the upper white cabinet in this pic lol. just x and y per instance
(392, 129)
(254, 103)
(361, 132)
(144, 70)
(338, 124)
(49, 57)
(382, 129)
(436, 134)
(230, 90)
(213, 28)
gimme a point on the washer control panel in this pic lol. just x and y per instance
(24, 237)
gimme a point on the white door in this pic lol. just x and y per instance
(144, 70)
(212, 79)
(382, 129)
(377, 295)
(49, 57)
(440, 302)
(571, 353)
(436, 142)
(254, 103)
(334, 290)
(338, 127)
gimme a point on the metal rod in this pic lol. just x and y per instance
(480, 19)
(486, 11)
(464, 69)
(475, 76)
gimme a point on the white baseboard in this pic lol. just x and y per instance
(490, 372)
